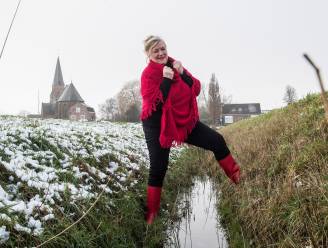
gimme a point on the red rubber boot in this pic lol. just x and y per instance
(153, 203)
(230, 168)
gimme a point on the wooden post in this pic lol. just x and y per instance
(323, 92)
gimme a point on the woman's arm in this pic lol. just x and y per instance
(187, 79)
(195, 82)
(165, 87)
(186, 76)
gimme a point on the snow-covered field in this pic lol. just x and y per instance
(41, 160)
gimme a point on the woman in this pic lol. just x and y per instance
(170, 117)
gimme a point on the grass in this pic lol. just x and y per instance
(282, 200)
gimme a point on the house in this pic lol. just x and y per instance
(65, 101)
(235, 112)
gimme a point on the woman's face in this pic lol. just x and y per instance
(158, 53)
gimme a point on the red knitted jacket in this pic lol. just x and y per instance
(179, 112)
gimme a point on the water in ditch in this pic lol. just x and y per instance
(200, 225)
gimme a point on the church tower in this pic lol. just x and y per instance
(58, 85)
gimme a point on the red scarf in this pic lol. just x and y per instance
(180, 111)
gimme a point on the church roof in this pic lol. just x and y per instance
(70, 94)
(58, 79)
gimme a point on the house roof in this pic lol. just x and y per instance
(242, 109)
(58, 79)
(48, 108)
(70, 94)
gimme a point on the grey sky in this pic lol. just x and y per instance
(254, 47)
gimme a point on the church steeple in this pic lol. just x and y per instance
(58, 79)
(58, 84)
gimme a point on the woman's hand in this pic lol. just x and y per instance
(178, 66)
(168, 72)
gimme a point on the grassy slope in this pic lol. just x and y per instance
(282, 200)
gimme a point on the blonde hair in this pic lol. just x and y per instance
(151, 41)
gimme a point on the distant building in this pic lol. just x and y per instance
(65, 101)
(235, 112)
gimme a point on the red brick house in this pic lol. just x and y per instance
(65, 101)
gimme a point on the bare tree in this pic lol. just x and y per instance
(202, 99)
(133, 112)
(129, 101)
(214, 100)
(202, 104)
(290, 95)
(206, 103)
(129, 95)
(125, 106)
(109, 109)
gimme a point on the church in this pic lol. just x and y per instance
(65, 101)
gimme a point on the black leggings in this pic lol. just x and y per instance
(201, 136)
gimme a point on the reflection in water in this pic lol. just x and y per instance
(200, 226)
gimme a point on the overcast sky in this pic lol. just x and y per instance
(254, 47)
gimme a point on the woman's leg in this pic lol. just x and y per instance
(207, 138)
(158, 157)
